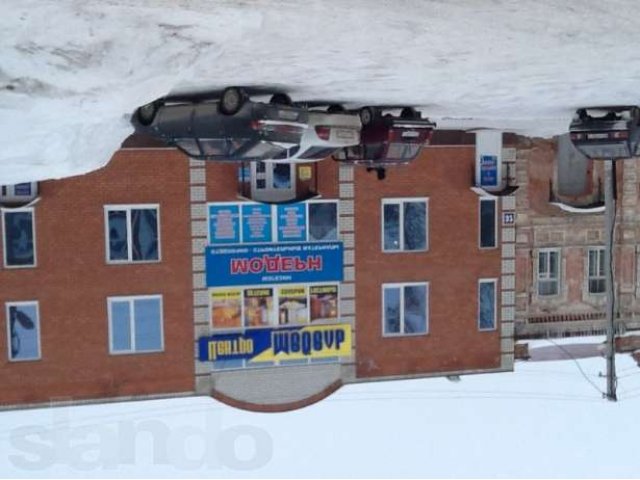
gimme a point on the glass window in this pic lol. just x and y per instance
(548, 272)
(405, 309)
(19, 238)
(487, 304)
(282, 175)
(596, 270)
(487, 223)
(404, 224)
(135, 324)
(323, 221)
(23, 331)
(214, 146)
(132, 234)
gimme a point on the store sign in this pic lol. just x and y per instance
(488, 171)
(224, 223)
(273, 263)
(269, 344)
(292, 222)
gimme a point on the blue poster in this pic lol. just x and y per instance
(292, 222)
(224, 223)
(273, 263)
(488, 171)
(256, 223)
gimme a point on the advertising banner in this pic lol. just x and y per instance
(224, 224)
(324, 302)
(256, 223)
(292, 305)
(273, 263)
(269, 344)
(292, 222)
(258, 307)
(226, 308)
(488, 171)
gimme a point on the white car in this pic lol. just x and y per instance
(326, 132)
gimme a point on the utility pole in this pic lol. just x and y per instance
(609, 224)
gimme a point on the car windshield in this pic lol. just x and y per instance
(317, 152)
(189, 145)
(262, 151)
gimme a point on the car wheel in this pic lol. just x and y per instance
(409, 113)
(281, 99)
(367, 114)
(147, 113)
(232, 100)
(335, 108)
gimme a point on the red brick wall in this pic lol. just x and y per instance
(72, 282)
(452, 266)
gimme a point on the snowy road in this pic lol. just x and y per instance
(71, 71)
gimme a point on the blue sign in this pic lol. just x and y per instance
(256, 223)
(292, 222)
(22, 189)
(273, 263)
(488, 171)
(224, 223)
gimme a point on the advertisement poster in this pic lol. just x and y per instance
(258, 307)
(324, 302)
(292, 305)
(226, 308)
(489, 171)
(268, 263)
(224, 224)
(256, 223)
(292, 222)
(277, 344)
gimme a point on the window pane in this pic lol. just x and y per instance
(592, 263)
(147, 324)
(553, 264)
(23, 329)
(323, 221)
(415, 309)
(597, 285)
(392, 310)
(18, 238)
(145, 234)
(120, 327)
(547, 287)
(282, 175)
(391, 213)
(542, 264)
(487, 311)
(600, 263)
(487, 223)
(118, 249)
(415, 230)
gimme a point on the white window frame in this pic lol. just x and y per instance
(547, 277)
(401, 201)
(494, 281)
(3, 212)
(401, 286)
(128, 208)
(495, 222)
(8, 327)
(130, 299)
(600, 252)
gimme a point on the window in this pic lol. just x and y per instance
(596, 270)
(19, 238)
(487, 304)
(404, 225)
(135, 324)
(405, 308)
(488, 223)
(133, 233)
(323, 221)
(23, 331)
(548, 272)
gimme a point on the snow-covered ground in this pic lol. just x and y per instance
(548, 419)
(71, 71)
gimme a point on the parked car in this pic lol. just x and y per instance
(387, 139)
(606, 132)
(229, 126)
(328, 131)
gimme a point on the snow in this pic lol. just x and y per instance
(71, 72)
(545, 420)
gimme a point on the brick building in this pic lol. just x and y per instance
(560, 242)
(267, 286)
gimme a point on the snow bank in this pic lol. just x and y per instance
(71, 72)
